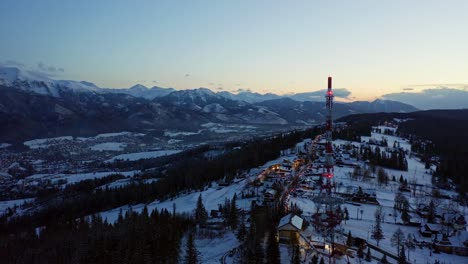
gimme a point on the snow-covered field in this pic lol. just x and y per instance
(4, 145)
(180, 133)
(45, 142)
(361, 215)
(143, 155)
(4, 205)
(109, 146)
(112, 134)
(77, 177)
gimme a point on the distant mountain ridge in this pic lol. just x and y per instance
(33, 105)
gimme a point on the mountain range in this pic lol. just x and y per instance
(33, 105)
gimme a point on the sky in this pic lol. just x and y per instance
(369, 47)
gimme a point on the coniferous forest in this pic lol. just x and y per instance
(66, 228)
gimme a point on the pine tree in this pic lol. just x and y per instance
(252, 245)
(346, 214)
(314, 260)
(242, 229)
(431, 212)
(377, 233)
(398, 238)
(296, 256)
(349, 239)
(233, 217)
(405, 217)
(322, 261)
(201, 215)
(368, 255)
(410, 244)
(191, 255)
(360, 251)
(384, 259)
(273, 254)
(402, 256)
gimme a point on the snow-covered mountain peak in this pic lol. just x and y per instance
(139, 87)
(41, 83)
(204, 92)
(9, 75)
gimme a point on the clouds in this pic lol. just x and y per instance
(433, 98)
(319, 95)
(242, 90)
(12, 63)
(49, 68)
(337, 92)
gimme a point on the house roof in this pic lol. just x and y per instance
(459, 240)
(434, 227)
(292, 219)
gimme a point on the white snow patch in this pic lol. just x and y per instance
(4, 205)
(4, 145)
(180, 133)
(77, 177)
(143, 155)
(45, 142)
(112, 134)
(109, 146)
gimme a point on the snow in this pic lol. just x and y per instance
(186, 203)
(109, 146)
(295, 220)
(4, 205)
(144, 155)
(5, 175)
(181, 133)
(45, 142)
(227, 128)
(112, 134)
(77, 177)
(211, 250)
(214, 108)
(361, 215)
(41, 83)
(4, 145)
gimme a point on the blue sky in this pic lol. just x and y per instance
(370, 47)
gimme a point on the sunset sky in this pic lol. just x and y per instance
(370, 47)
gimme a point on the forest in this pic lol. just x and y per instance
(68, 236)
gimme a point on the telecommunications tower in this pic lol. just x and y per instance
(328, 214)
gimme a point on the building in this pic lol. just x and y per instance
(290, 227)
(457, 244)
(427, 230)
(455, 220)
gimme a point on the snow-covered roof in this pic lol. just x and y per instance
(460, 239)
(292, 219)
(434, 227)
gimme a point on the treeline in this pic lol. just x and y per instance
(133, 238)
(353, 131)
(448, 142)
(395, 159)
(191, 173)
(144, 164)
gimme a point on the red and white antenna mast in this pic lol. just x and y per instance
(329, 162)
